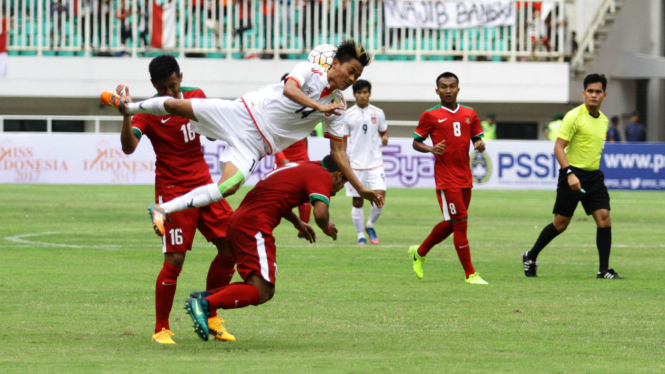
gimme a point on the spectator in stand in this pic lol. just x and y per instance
(573, 43)
(489, 127)
(635, 130)
(5, 28)
(613, 134)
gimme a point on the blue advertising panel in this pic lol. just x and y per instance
(634, 166)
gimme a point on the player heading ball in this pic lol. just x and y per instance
(263, 122)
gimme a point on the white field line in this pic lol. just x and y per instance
(23, 241)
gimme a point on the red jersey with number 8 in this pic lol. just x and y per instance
(456, 127)
(180, 164)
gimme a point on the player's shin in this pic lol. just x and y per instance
(439, 233)
(236, 295)
(164, 292)
(604, 244)
(374, 214)
(151, 106)
(462, 246)
(198, 197)
(358, 216)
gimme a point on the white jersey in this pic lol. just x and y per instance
(362, 127)
(282, 121)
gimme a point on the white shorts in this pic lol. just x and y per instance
(374, 179)
(231, 122)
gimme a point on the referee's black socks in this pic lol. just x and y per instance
(546, 236)
(604, 244)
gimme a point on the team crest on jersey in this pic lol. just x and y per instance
(373, 115)
(467, 119)
(481, 167)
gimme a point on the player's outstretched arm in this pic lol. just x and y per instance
(301, 226)
(322, 218)
(338, 154)
(294, 93)
(127, 138)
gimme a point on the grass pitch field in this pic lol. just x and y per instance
(79, 265)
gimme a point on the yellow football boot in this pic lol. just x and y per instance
(163, 337)
(218, 330)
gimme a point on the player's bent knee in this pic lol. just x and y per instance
(175, 259)
(266, 290)
(357, 202)
(170, 105)
(231, 190)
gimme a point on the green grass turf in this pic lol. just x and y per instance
(79, 265)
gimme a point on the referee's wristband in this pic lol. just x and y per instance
(567, 170)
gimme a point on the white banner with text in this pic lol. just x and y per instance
(506, 164)
(442, 15)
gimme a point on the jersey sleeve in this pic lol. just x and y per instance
(301, 73)
(335, 129)
(140, 125)
(424, 127)
(476, 129)
(319, 185)
(568, 128)
(383, 125)
(346, 130)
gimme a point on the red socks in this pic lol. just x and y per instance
(462, 247)
(439, 233)
(304, 211)
(236, 295)
(164, 292)
(220, 273)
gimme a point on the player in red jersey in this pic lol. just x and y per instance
(250, 233)
(296, 152)
(180, 167)
(452, 127)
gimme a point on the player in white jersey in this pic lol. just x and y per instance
(365, 130)
(262, 123)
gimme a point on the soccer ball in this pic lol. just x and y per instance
(323, 55)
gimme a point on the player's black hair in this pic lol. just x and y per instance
(284, 77)
(349, 50)
(446, 75)
(595, 78)
(329, 163)
(361, 84)
(162, 67)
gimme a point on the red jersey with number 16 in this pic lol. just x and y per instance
(280, 191)
(180, 163)
(456, 127)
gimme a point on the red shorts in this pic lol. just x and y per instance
(255, 254)
(211, 220)
(454, 202)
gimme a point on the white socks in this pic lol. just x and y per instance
(358, 216)
(374, 214)
(151, 106)
(198, 197)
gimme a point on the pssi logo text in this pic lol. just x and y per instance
(525, 165)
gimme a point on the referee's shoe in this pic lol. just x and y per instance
(608, 274)
(530, 266)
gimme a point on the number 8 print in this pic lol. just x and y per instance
(457, 129)
(453, 210)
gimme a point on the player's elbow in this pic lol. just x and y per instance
(128, 149)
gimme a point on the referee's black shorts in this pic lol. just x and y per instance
(595, 198)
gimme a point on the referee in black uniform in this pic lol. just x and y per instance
(578, 148)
